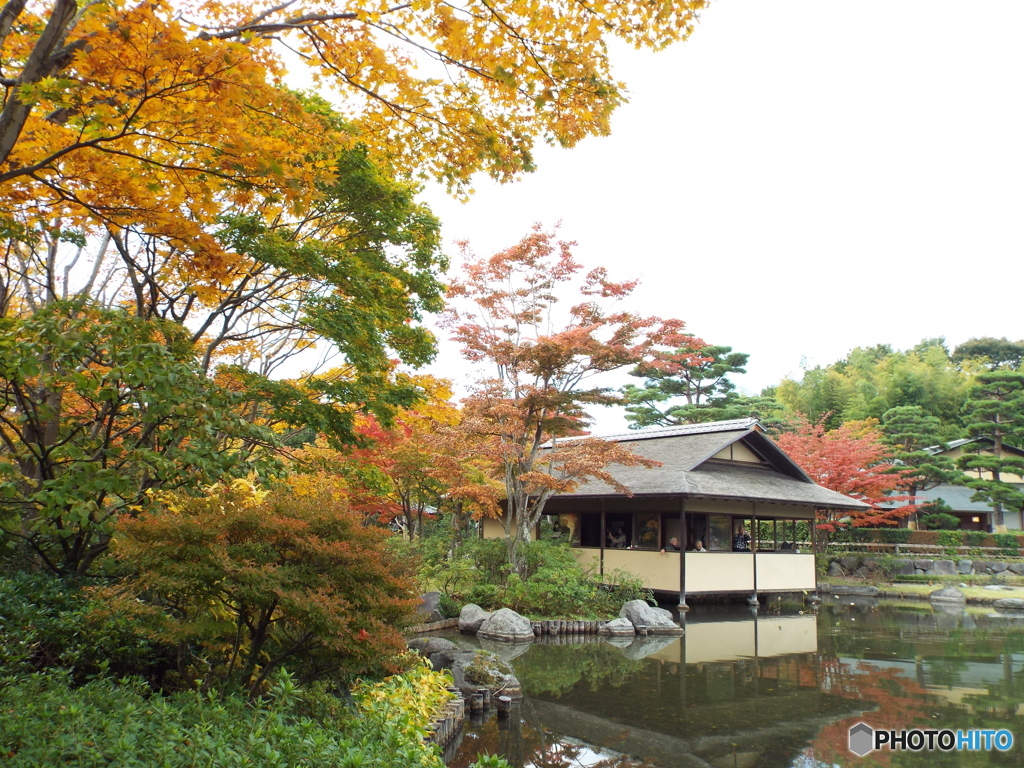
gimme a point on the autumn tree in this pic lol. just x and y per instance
(852, 460)
(911, 432)
(185, 99)
(695, 373)
(995, 418)
(243, 582)
(423, 461)
(506, 313)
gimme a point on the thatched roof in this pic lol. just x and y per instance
(689, 468)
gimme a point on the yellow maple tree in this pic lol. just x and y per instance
(161, 112)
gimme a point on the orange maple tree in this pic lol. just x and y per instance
(852, 460)
(505, 311)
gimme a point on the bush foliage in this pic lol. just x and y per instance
(246, 581)
(551, 583)
(47, 721)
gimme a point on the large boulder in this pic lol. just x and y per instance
(429, 645)
(944, 568)
(437, 650)
(965, 567)
(905, 567)
(948, 595)
(658, 621)
(1017, 568)
(997, 567)
(923, 565)
(618, 628)
(471, 617)
(428, 608)
(506, 626)
(835, 570)
(472, 670)
(1009, 604)
(849, 562)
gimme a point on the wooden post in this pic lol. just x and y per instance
(753, 551)
(604, 536)
(814, 544)
(683, 607)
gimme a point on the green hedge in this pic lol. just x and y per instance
(1009, 542)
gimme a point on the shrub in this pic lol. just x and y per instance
(941, 521)
(48, 722)
(47, 622)
(893, 535)
(552, 584)
(951, 540)
(976, 538)
(247, 582)
(1008, 543)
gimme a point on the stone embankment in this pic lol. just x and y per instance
(850, 565)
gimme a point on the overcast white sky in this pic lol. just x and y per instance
(798, 179)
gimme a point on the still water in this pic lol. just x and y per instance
(765, 689)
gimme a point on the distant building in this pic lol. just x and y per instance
(974, 515)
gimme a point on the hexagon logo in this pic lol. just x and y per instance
(862, 739)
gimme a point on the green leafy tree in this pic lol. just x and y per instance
(695, 372)
(98, 408)
(870, 381)
(995, 414)
(991, 353)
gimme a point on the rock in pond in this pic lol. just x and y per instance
(618, 628)
(657, 620)
(506, 626)
(948, 595)
(471, 617)
(472, 670)
(1009, 604)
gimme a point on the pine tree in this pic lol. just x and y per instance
(910, 431)
(995, 413)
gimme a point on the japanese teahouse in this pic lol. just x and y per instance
(726, 513)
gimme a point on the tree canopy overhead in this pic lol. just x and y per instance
(184, 102)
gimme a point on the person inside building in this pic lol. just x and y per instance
(741, 541)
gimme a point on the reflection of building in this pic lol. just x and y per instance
(724, 484)
(735, 692)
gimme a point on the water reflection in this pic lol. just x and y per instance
(746, 691)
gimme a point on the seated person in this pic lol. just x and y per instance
(699, 546)
(786, 545)
(617, 539)
(741, 541)
(673, 545)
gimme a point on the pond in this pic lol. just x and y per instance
(748, 689)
